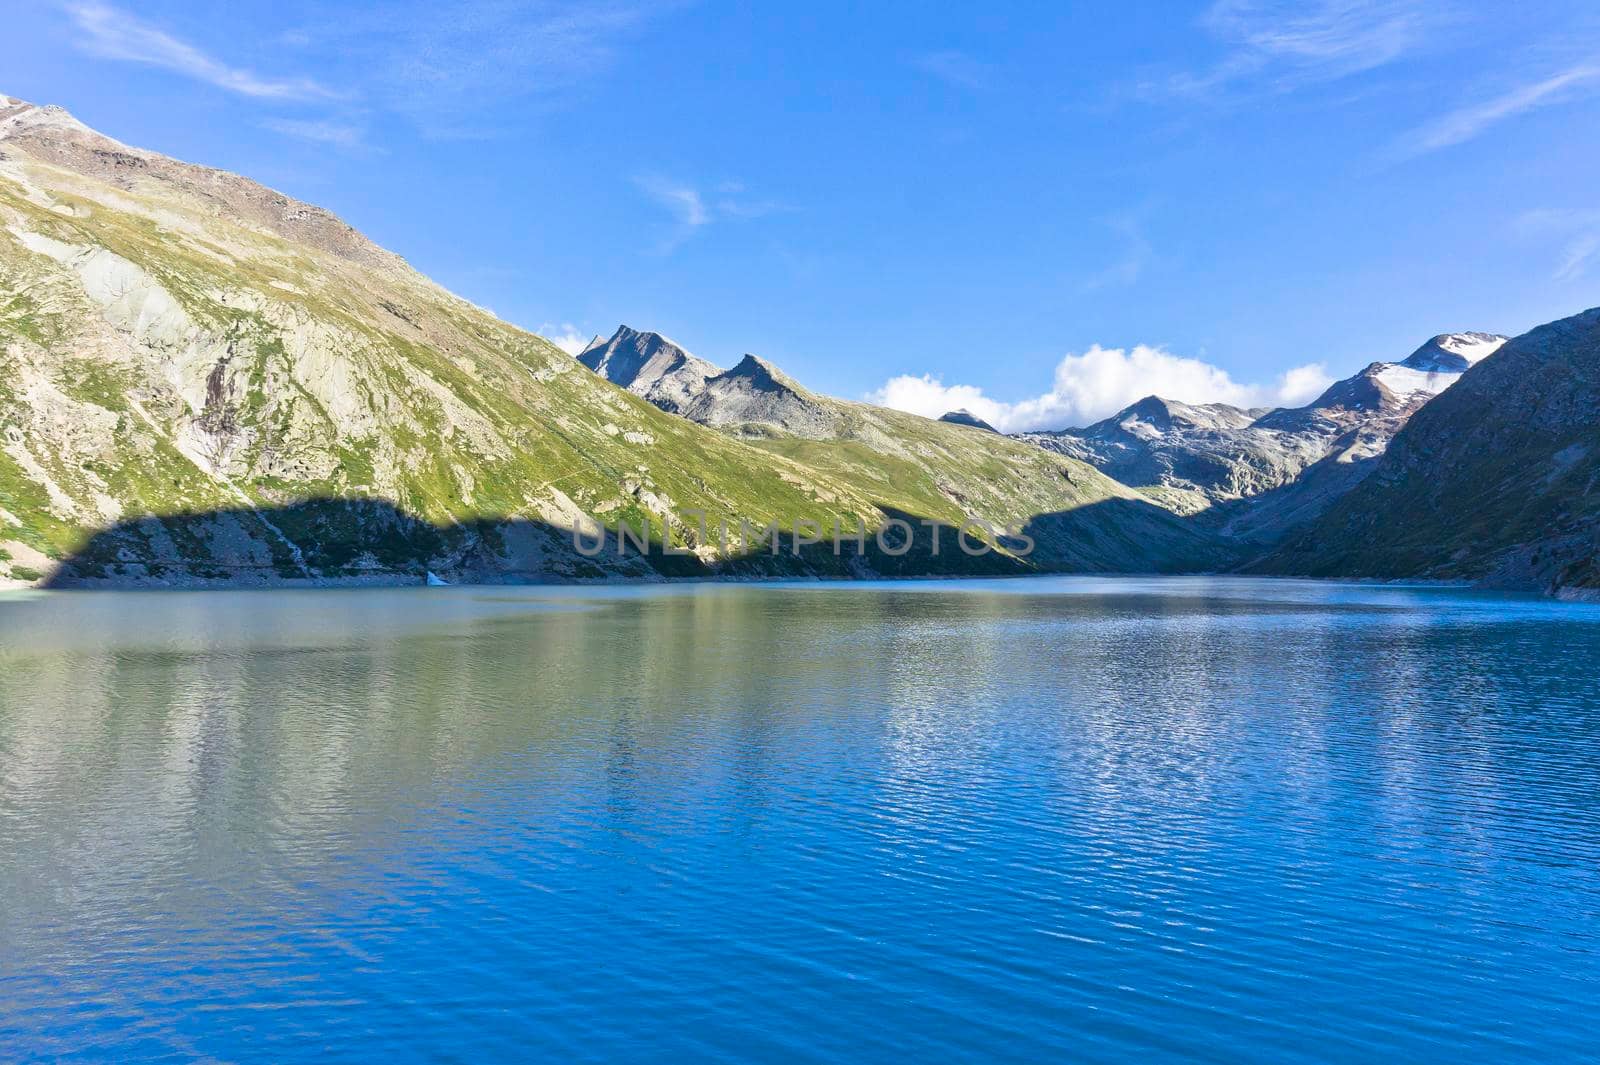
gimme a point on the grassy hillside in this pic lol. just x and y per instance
(218, 374)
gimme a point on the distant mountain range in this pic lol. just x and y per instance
(1247, 475)
(203, 381)
(1255, 473)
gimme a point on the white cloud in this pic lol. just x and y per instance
(1579, 254)
(1579, 231)
(441, 64)
(1334, 37)
(321, 131)
(1298, 386)
(1468, 122)
(1100, 382)
(684, 201)
(1129, 266)
(114, 34)
(436, 64)
(693, 210)
(1283, 44)
(956, 69)
(564, 336)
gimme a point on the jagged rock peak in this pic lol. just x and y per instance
(1152, 409)
(621, 358)
(648, 365)
(1167, 414)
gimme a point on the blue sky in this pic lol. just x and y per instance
(1039, 209)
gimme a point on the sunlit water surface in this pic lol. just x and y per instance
(1062, 819)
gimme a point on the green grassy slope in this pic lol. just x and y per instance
(162, 359)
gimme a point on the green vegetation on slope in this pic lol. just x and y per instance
(229, 401)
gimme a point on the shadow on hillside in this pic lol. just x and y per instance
(346, 541)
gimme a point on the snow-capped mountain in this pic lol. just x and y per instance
(1494, 481)
(1454, 352)
(1258, 471)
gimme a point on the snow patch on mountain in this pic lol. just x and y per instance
(1454, 352)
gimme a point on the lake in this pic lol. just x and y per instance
(1054, 819)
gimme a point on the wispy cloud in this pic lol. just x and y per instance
(682, 200)
(1466, 123)
(956, 69)
(445, 66)
(692, 210)
(1280, 45)
(320, 131)
(1097, 384)
(1579, 233)
(112, 33)
(1129, 265)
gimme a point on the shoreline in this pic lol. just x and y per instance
(396, 580)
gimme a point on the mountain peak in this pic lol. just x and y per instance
(1151, 408)
(52, 136)
(1453, 352)
(763, 374)
(967, 418)
(648, 365)
(19, 115)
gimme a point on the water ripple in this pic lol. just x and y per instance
(1085, 819)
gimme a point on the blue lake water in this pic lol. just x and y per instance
(1041, 820)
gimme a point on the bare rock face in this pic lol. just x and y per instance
(1496, 480)
(757, 398)
(650, 366)
(203, 380)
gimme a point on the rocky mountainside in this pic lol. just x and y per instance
(918, 466)
(756, 399)
(1253, 474)
(204, 380)
(1497, 480)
